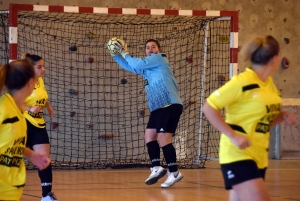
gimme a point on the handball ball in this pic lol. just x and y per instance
(110, 45)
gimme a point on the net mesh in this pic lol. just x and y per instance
(100, 109)
(3, 37)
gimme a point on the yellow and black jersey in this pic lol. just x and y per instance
(38, 97)
(12, 143)
(251, 105)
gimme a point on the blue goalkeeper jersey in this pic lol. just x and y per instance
(159, 81)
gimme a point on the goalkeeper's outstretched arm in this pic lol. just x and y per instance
(124, 64)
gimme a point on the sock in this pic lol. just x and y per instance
(46, 180)
(154, 152)
(170, 157)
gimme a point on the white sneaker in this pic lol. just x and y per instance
(49, 197)
(157, 172)
(173, 177)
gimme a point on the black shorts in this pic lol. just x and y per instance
(241, 171)
(36, 135)
(165, 120)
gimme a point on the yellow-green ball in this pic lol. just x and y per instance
(110, 45)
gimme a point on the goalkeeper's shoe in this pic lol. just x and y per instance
(157, 172)
(173, 177)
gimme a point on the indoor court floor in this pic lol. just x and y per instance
(282, 179)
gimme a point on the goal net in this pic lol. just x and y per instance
(3, 37)
(100, 109)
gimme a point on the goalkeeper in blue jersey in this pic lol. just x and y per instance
(164, 104)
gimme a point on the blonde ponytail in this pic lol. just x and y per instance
(252, 46)
(261, 50)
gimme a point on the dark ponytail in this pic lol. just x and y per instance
(16, 74)
(31, 58)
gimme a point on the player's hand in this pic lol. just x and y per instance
(121, 48)
(289, 118)
(35, 109)
(240, 141)
(50, 112)
(40, 160)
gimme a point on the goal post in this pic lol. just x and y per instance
(101, 109)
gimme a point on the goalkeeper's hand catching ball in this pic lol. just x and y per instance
(121, 47)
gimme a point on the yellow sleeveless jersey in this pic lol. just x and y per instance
(12, 143)
(38, 97)
(251, 105)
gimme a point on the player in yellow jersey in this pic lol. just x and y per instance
(253, 105)
(19, 79)
(38, 139)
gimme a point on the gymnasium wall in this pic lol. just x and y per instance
(286, 139)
